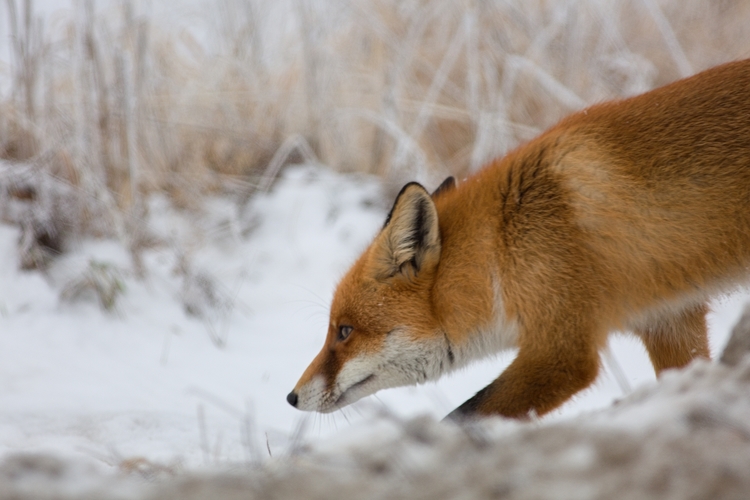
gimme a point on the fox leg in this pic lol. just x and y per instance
(676, 338)
(541, 378)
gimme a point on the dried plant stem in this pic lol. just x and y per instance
(311, 66)
(675, 49)
(118, 104)
(291, 144)
(438, 82)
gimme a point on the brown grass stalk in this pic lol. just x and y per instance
(134, 104)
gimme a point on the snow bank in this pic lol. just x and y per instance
(178, 390)
(685, 437)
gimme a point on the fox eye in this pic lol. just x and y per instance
(344, 332)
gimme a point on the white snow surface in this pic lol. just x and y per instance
(150, 381)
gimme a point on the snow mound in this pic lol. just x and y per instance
(685, 437)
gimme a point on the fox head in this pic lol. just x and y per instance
(382, 331)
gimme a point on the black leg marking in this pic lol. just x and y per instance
(451, 357)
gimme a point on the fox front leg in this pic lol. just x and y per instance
(535, 383)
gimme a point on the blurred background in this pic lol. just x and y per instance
(150, 186)
(122, 99)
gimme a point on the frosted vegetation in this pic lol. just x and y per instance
(166, 272)
(105, 104)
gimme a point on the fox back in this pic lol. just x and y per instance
(628, 215)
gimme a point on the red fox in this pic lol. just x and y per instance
(628, 215)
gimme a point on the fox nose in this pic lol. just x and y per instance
(292, 398)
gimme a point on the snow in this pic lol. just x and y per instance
(150, 381)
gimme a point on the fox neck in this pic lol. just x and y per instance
(469, 339)
(468, 291)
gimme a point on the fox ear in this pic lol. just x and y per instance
(410, 239)
(448, 184)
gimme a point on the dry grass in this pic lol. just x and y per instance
(116, 104)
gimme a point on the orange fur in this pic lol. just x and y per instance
(627, 215)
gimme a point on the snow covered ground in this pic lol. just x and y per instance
(148, 380)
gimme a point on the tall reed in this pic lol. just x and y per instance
(111, 104)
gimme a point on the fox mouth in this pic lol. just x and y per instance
(342, 396)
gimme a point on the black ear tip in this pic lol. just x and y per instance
(291, 398)
(448, 184)
(408, 186)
